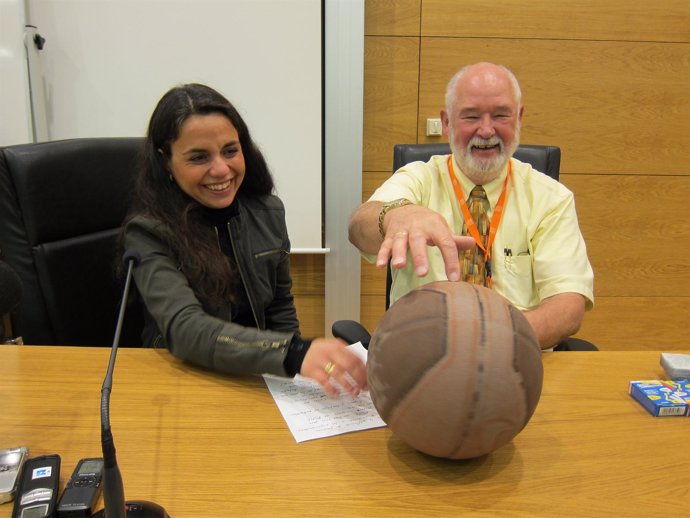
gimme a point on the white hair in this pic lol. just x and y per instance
(450, 89)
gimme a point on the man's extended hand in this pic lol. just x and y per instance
(413, 227)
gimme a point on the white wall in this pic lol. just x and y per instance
(107, 62)
(15, 109)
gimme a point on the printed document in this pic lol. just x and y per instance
(311, 414)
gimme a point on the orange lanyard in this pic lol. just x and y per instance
(469, 221)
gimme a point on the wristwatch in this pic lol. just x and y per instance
(400, 202)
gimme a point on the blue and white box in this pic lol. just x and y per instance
(662, 398)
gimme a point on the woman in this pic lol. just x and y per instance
(214, 272)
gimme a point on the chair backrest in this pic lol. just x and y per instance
(546, 159)
(62, 204)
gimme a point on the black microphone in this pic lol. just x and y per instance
(10, 296)
(113, 488)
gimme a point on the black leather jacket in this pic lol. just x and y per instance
(178, 320)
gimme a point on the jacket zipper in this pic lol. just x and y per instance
(271, 252)
(239, 267)
(264, 344)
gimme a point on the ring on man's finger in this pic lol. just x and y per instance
(330, 366)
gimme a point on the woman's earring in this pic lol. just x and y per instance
(170, 177)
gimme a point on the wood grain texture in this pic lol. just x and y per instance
(612, 107)
(392, 17)
(638, 323)
(374, 278)
(372, 309)
(311, 314)
(391, 73)
(373, 295)
(308, 273)
(202, 444)
(621, 20)
(308, 288)
(637, 233)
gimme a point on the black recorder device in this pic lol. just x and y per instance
(82, 490)
(38, 488)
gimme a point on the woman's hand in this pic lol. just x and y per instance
(327, 360)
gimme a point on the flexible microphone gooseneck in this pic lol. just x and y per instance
(113, 488)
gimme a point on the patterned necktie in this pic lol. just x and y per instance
(473, 261)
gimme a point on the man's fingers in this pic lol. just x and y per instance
(399, 249)
(384, 253)
(464, 242)
(449, 251)
(394, 247)
(418, 250)
(421, 229)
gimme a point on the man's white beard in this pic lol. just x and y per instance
(483, 170)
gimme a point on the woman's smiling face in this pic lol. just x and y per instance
(206, 160)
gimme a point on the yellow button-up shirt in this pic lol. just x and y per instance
(538, 251)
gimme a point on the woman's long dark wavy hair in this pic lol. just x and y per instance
(156, 196)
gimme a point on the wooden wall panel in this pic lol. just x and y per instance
(637, 233)
(308, 287)
(613, 107)
(308, 273)
(638, 323)
(391, 70)
(311, 314)
(622, 20)
(373, 281)
(373, 295)
(372, 309)
(392, 17)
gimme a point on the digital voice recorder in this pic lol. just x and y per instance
(11, 462)
(82, 490)
(38, 488)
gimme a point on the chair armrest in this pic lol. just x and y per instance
(575, 344)
(351, 331)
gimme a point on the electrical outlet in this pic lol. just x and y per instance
(434, 128)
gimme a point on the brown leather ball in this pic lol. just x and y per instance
(455, 370)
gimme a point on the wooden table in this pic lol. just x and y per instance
(203, 445)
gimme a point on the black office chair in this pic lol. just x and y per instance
(546, 159)
(62, 204)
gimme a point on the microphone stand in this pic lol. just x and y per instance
(113, 488)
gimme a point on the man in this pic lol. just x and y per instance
(537, 258)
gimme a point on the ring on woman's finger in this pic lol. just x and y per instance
(402, 233)
(330, 366)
